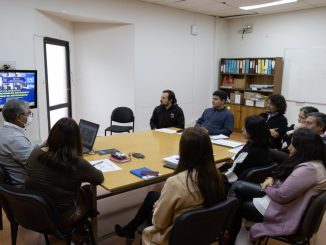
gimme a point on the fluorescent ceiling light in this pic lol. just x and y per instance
(267, 4)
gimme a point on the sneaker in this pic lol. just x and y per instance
(123, 232)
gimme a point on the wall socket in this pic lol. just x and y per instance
(11, 63)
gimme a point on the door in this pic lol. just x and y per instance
(57, 75)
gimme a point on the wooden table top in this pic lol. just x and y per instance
(154, 145)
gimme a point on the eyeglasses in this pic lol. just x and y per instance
(29, 113)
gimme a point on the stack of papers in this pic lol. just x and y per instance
(171, 162)
(166, 130)
(105, 165)
(227, 143)
(219, 137)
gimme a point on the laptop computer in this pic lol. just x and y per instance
(88, 131)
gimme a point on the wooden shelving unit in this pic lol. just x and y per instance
(245, 77)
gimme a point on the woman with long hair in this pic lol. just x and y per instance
(255, 153)
(57, 170)
(278, 204)
(195, 183)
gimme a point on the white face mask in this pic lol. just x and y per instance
(298, 125)
(29, 121)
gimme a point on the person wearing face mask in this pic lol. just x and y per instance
(15, 147)
(302, 116)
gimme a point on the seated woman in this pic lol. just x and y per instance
(255, 152)
(302, 116)
(58, 169)
(195, 183)
(279, 203)
(276, 121)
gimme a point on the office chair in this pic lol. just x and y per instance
(4, 179)
(278, 156)
(258, 174)
(309, 224)
(38, 213)
(121, 115)
(204, 225)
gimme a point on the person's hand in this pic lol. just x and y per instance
(274, 133)
(268, 182)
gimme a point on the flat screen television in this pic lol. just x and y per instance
(19, 84)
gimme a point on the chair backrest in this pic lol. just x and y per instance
(203, 225)
(122, 115)
(30, 210)
(258, 174)
(313, 216)
(278, 156)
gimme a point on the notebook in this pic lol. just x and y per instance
(138, 174)
(171, 162)
(88, 131)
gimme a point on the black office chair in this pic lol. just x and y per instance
(4, 179)
(309, 224)
(278, 156)
(38, 213)
(204, 225)
(258, 174)
(121, 115)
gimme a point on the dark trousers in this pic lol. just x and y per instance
(244, 192)
(145, 212)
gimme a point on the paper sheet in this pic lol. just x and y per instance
(228, 143)
(236, 150)
(166, 130)
(105, 165)
(218, 137)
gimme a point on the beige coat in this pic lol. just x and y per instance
(175, 199)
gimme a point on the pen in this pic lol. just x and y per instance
(97, 163)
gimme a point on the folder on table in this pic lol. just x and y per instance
(138, 171)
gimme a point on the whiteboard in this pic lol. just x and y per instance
(304, 75)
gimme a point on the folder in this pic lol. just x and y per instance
(259, 66)
(138, 171)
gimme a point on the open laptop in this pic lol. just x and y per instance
(88, 131)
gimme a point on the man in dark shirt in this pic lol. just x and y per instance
(218, 119)
(168, 114)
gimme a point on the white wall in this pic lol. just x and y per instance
(273, 33)
(104, 71)
(148, 49)
(21, 41)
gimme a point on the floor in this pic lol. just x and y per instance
(116, 209)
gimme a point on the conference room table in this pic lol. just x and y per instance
(154, 145)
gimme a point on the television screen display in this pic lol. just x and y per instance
(19, 84)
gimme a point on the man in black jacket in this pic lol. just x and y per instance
(168, 113)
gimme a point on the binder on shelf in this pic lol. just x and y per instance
(259, 66)
(247, 66)
(269, 67)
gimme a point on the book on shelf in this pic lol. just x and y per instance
(171, 161)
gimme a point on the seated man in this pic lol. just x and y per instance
(217, 120)
(317, 122)
(15, 147)
(168, 113)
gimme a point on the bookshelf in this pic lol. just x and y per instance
(248, 83)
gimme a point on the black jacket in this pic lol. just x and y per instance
(280, 124)
(164, 118)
